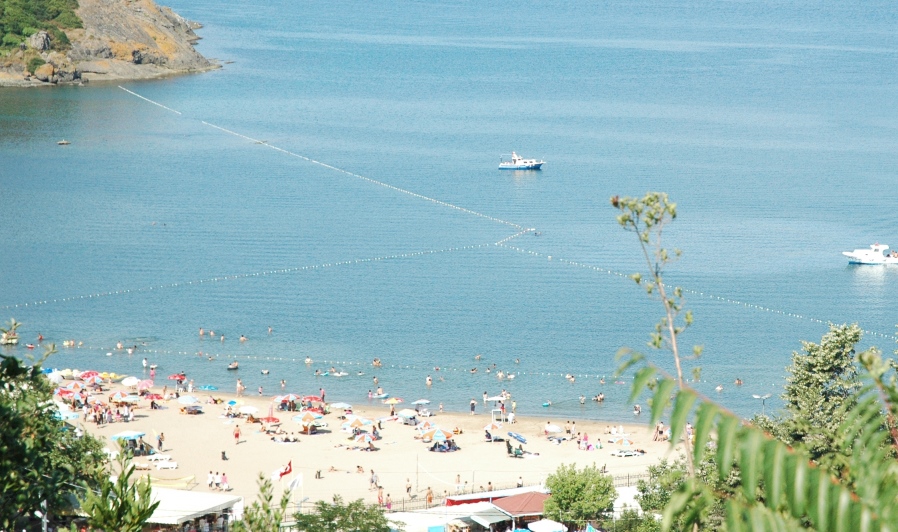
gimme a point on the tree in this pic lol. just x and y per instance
(263, 515)
(355, 516)
(41, 457)
(120, 505)
(822, 381)
(579, 496)
(776, 486)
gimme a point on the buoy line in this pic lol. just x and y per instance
(337, 169)
(694, 292)
(248, 275)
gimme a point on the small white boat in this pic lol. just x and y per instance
(519, 163)
(877, 254)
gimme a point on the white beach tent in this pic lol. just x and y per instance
(180, 506)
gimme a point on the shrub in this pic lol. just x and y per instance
(60, 39)
(35, 63)
(11, 39)
(68, 19)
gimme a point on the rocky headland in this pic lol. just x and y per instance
(119, 40)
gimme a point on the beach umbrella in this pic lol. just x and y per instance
(152, 397)
(233, 402)
(86, 374)
(517, 436)
(360, 422)
(130, 381)
(95, 379)
(406, 412)
(307, 417)
(393, 401)
(547, 525)
(313, 398)
(248, 409)
(145, 384)
(426, 425)
(364, 438)
(94, 400)
(437, 435)
(75, 386)
(118, 397)
(553, 428)
(270, 419)
(63, 392)
(625, 441)
(492, 427)
(177, 377)
(188, 400)
(344, 406)
(55, 377)
(207, 388)
(421, 402)
(128, 435)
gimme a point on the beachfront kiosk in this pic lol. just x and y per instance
(204, 511)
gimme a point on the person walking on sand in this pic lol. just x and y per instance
(380, 496)
(224, 482)
(389, 503)
(408, 488)
(160, 439)
(373, 482)
(429, 496)
(236, 434)
(473, 405)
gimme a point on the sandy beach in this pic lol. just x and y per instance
(196, 443)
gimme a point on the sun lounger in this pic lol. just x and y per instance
(141, 466)
(158, 457)
(167, 465)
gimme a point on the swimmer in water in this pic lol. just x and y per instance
(477, 357)
(517, 361)
(242, 338)
(308, 360)
(473, 370)
(429, 380)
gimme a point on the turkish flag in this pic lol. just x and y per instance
(287, 470)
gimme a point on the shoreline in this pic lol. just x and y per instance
(196, 443)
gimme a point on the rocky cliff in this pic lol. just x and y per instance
(120, 40)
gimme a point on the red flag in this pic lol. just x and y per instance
(287, 470)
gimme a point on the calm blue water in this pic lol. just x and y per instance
(773, 127)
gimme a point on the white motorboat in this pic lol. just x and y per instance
(519, 163)
(877, 254)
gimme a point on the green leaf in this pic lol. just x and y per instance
(726, 444)
(774, 471)
(704, 421)
(751, 452)
(661, 398)
(682, 406)
(643, 376)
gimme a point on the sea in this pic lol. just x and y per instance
(336, 180)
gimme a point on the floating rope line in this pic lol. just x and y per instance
(368, 179)
(149, 100)
(696, 292)
(341, 170)
(246, 275)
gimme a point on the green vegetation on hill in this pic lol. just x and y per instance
(20, 19)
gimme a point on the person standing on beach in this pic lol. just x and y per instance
(485, 395)
(283, 384)
(224, 482)
(380, 496)
(239, 388)
(236, 434)
(373, 484)
(160, 439)
(473, 405)
(260, 391)
(210, 480)
(321, 392)
(408, 488)
(389, 503)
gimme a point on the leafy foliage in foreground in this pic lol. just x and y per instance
(779, 486)
(40, 457)
(22, 18)
(119, 506)
(263, 515)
